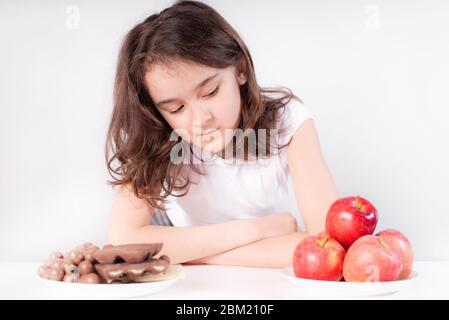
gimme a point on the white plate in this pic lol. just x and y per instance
(113, 290)
(350, 289)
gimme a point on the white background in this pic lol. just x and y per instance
(374, 73)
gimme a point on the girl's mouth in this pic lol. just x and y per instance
(209, 132)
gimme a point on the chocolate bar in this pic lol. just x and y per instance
(129, 253)
(129, 272)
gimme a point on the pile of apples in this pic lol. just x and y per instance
(348, 250)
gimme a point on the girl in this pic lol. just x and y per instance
(189, 173)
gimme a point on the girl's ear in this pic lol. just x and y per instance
(241, 72)
(241, 78)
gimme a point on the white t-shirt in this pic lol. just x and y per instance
(232, 191)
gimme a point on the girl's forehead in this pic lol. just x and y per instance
(163, 81)
(178, 70)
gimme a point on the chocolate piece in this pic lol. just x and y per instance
(173, 271)
(72, 278)
(44, 271)
(85, 267)
(128, 272)
(124, 263)
(56, 255)
(90, 278)
(89, 254)
(57, 263)
(129, 253)
(75, 257)
(56, 274)
(165, 258)
(71, 269)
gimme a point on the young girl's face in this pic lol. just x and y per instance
(196, 100)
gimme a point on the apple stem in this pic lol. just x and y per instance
(383, 243)
(322, 242)
(358, 204)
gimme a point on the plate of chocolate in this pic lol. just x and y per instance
(122, 271)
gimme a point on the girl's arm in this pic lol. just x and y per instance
(315, 192)
(130, 219)
(275, 252)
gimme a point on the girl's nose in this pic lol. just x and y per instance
(201, 114)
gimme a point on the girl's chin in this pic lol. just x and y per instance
(213, 146)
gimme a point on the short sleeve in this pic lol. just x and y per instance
(292, 116)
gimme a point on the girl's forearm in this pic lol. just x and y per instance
(275, 252)
(184, 244)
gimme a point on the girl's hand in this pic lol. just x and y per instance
(277, 224)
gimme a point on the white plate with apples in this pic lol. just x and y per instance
(348, 289)
(348, 259)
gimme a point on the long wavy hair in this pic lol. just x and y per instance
(138, 137)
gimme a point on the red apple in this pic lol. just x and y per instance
(370, 259)
(400, 244)
(350, 218)
(319, 257)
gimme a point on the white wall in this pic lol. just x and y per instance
(375, 74)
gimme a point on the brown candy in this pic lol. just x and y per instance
(56, 255)
(75, 257)
(130, 253)
(127, 272)
(71, 269)
(90, 264)
(57, 263)
(55, 274)
(43, 271)
(85, 267)
(165, 258)
(72, 278)
(92, 278)
(89, 253)
(67, 262)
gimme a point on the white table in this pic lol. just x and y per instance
(18, 281)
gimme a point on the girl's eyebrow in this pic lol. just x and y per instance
(198, 86)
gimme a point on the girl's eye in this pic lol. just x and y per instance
(177, 110)
(213, 92)
(208, 95)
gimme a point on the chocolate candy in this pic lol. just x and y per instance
(129, 272)
(44, 271)
(165, 258)
(126, 263)
(87, 250)
(90, 278)
(55, 274)
(89, 253)
(88, 263)
(71, 269)
(73, 278)
(85, 267)
(75, 257)
(130, 253)
(56, 255)
(57, 263)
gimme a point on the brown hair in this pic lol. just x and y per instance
(138, 136)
